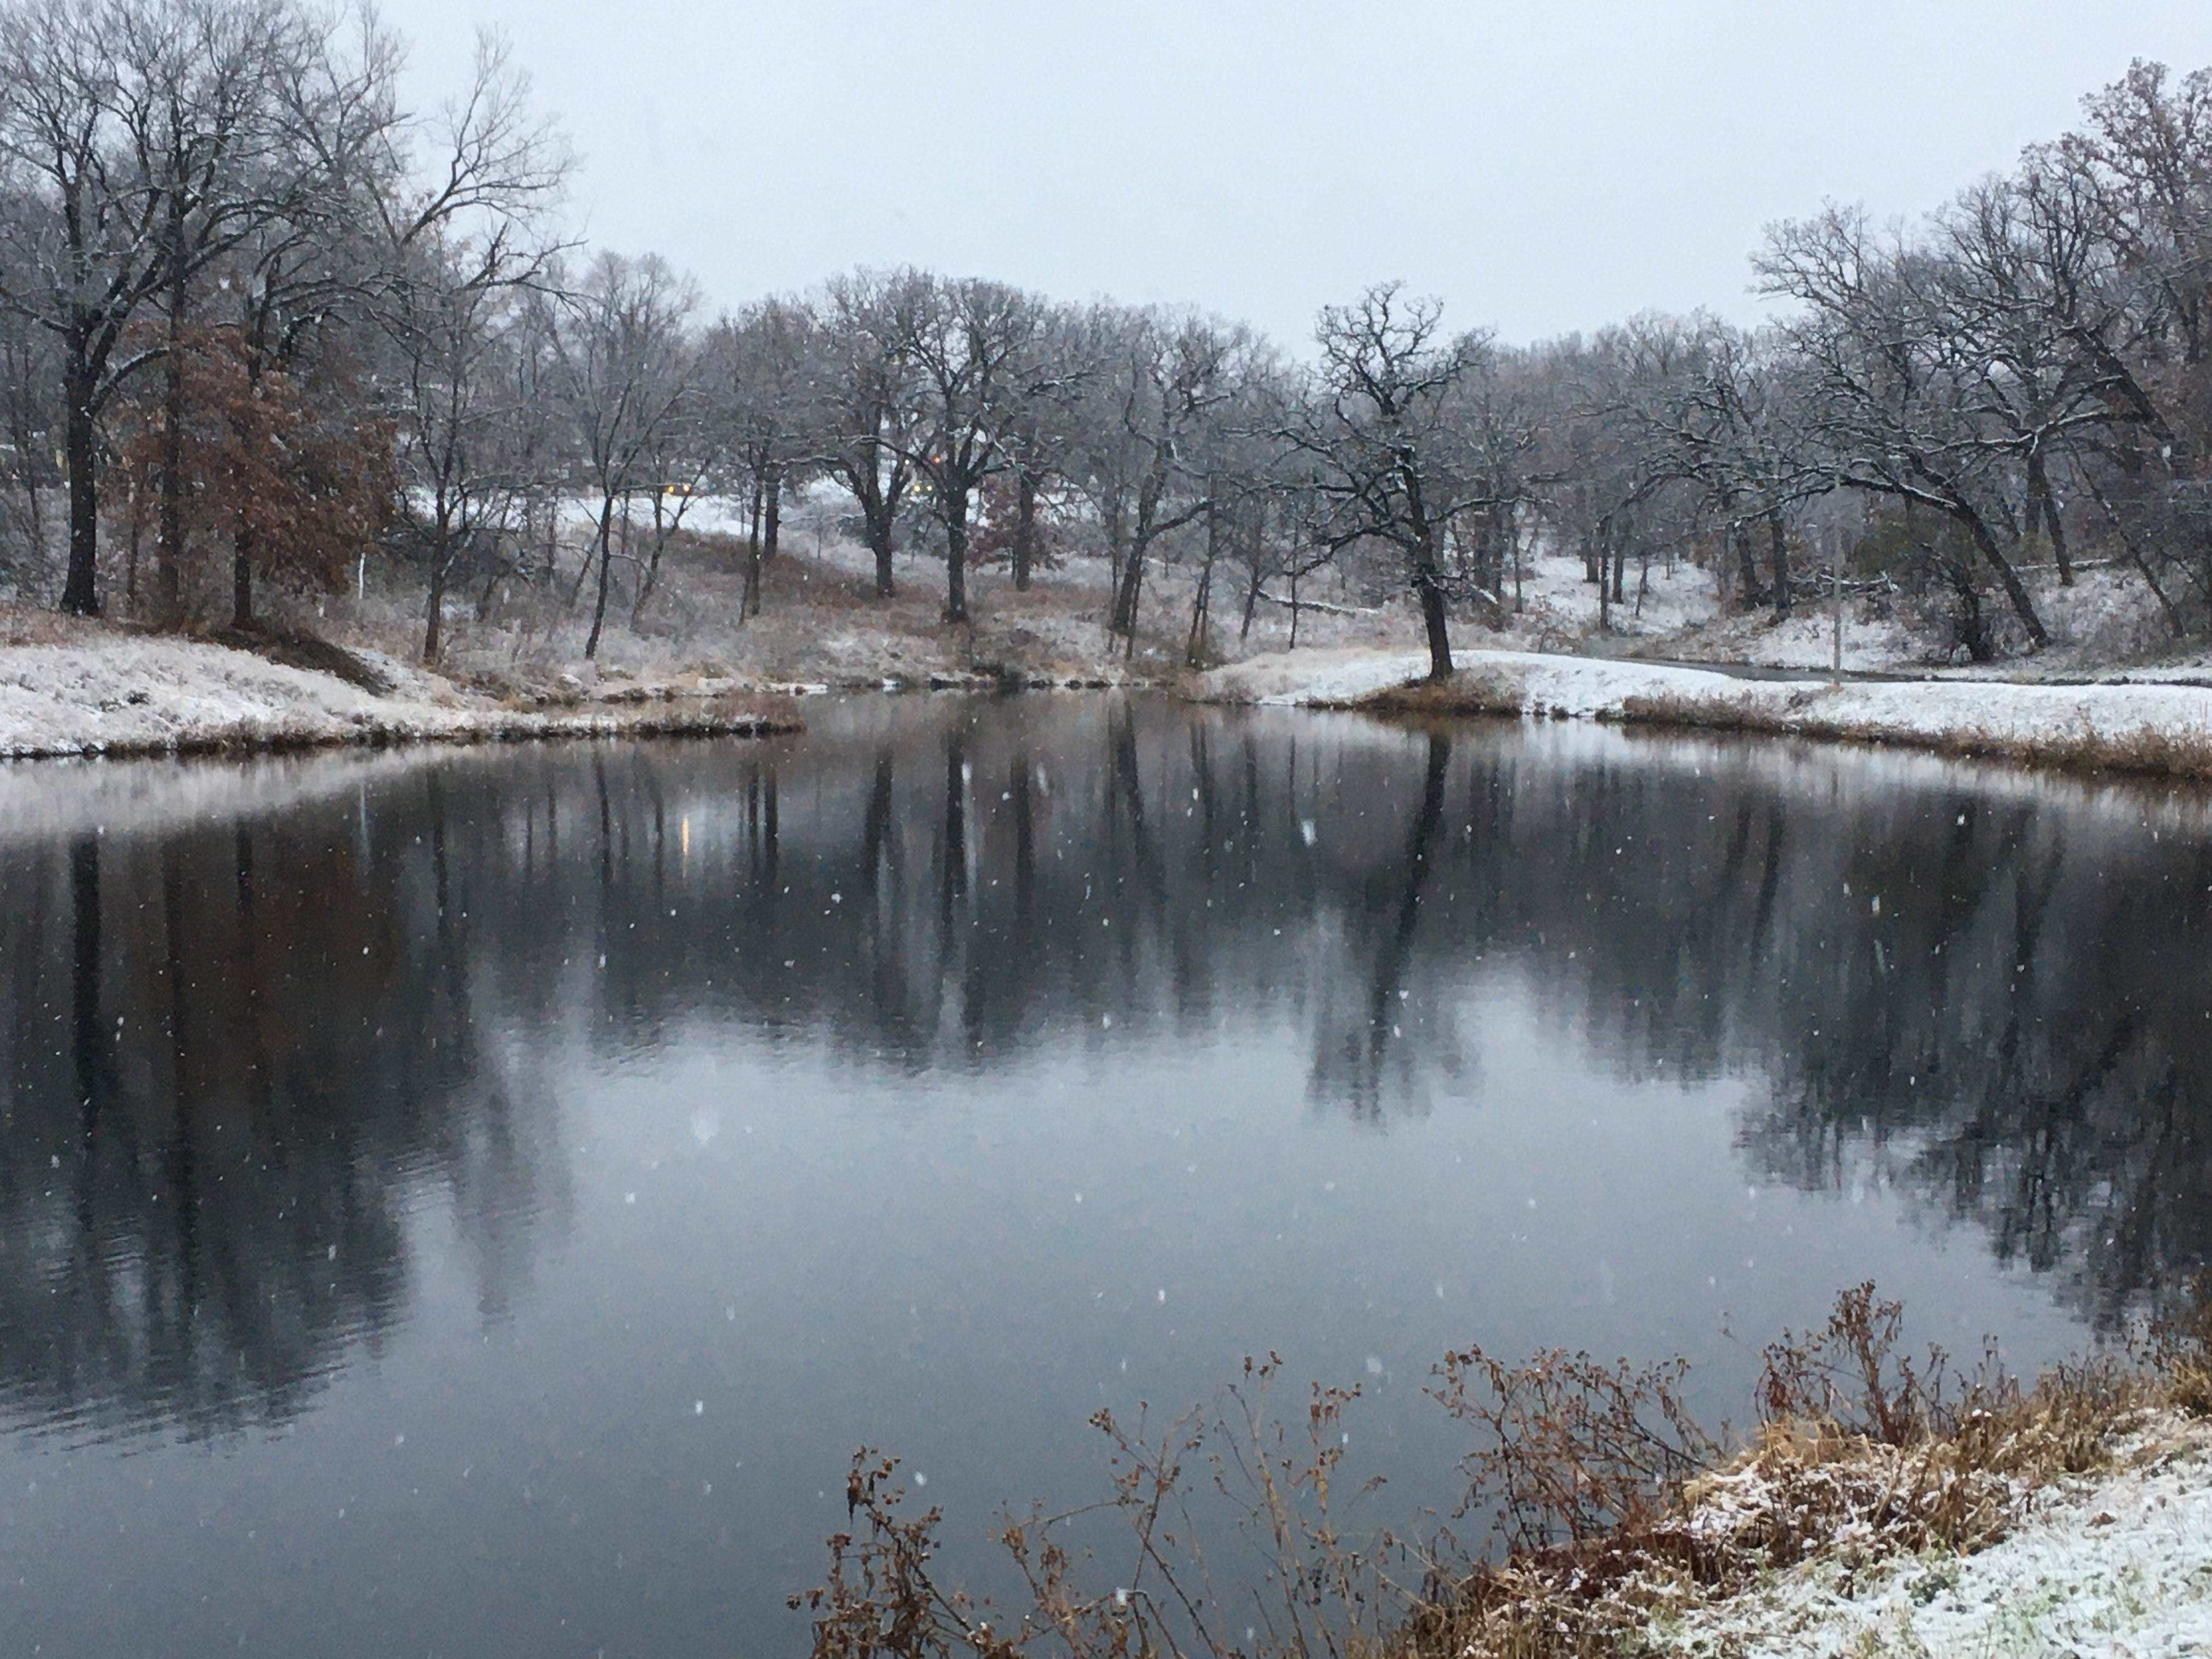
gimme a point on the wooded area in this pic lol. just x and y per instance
(264, 330)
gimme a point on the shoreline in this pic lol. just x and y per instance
(1881, 1502)
(132, 695)
(135, 696)
(2106, 1561)
(123, 696)
(245, 741)
(2137, 728)
(2024, 1532)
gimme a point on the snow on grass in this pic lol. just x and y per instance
(2108, 616)
(114, 693)
(2117, 1563)
(1303, 678)
(1556, 592)
(2148, 726)
(1804, 639)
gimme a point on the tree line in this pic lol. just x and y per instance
(260, 322)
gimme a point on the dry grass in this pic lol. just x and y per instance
(1862, 1452)
(2145, 750)
(1610, 1508)
(822, 621)
(299, 649)
(24, 624)
(1486, 691)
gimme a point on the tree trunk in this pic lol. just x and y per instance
(1124, 619)
(2040, 505)
(750, 604)
(1025, 503)
(130, 551)
(1136, 596)
(879, 543)
(1117, 535)
(2008, 578)
(80, 444)
(1777, 543)
(241, 579)
(1427, 580)
(1754, 592)
(2059, 550)
(38, 519)
(169, 544)
(2173, 616)
(1604, 539)
(434, 617)
(956, 556)
(660, 534)
(600, 610)
(1193, 650)
(242, 539)
(1258, 555)
(772, 521)
(1513, 529)
(1194, 653)
(1973, 626)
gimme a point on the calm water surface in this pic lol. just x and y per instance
(475, 1203)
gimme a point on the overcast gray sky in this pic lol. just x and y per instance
(1543, 167)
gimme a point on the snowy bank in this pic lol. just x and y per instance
(123, 694)
(2163, 729)
(2119, 1563)
(1885, 1503)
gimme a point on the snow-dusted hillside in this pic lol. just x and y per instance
(106, 692)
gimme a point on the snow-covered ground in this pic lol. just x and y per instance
(1556, 596)
(2108, 616)
(1805, 638)
(1998, 717)
(114, 693)
(2100, 1567)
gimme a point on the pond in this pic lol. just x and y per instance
(476, 1202)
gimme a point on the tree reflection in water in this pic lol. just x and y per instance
(244, 1047)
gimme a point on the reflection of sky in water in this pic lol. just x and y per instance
(680, 1231)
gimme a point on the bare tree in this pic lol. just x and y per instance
(1381, 424)
(1169, 374)
(30, 417)
(765, 365)
(1896, 389)
(624, 370)
(869, 408)
(454, 207)
(969, 341)
(111, 119)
